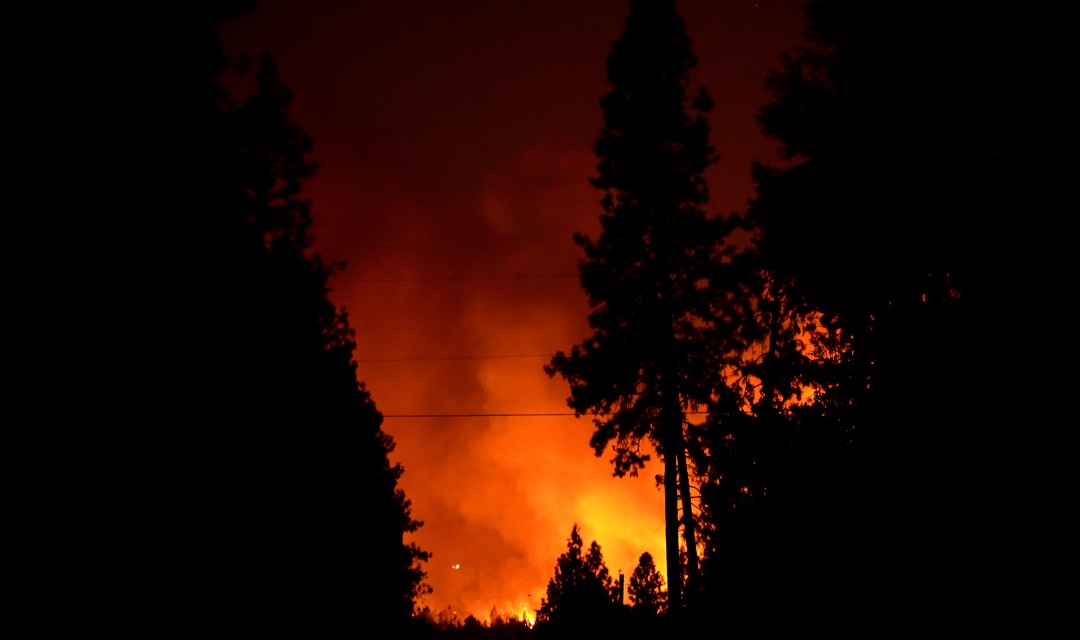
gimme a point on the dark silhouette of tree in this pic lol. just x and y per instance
(247, 480)
(907, 138)
(777, 435)
(581, 593)
(646, 587)
(647, 274)
(325, 502)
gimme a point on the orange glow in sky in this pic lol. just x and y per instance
(454, 144)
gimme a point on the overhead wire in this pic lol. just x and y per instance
(468, 357)
(507, 415)
(425, 358)
(455, 278)
(477, 415)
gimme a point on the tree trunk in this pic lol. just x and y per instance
(671, 520)
(689, 528)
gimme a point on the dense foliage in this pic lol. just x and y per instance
(303, 439)
(240, 480)
(883, 241)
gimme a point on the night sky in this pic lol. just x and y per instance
(454, 144)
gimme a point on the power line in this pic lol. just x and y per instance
(452, 278)
(505, 415)
(423, 359)
(477, 415)
(634, 561)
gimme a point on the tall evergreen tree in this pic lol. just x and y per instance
(647, 274)
(256, 492)
(325, 501)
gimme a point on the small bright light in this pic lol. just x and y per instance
(455, 566)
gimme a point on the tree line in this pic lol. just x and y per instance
(581, 597)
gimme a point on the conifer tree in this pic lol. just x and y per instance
(262, 464)
(647, 275)
(332, 510)
(582, 590)
(646, 587)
